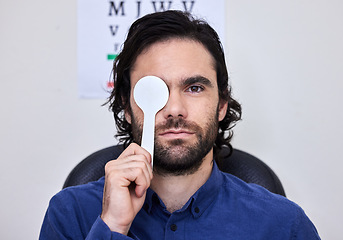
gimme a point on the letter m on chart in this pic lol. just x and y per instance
(116, 8)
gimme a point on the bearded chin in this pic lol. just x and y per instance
(177, 157)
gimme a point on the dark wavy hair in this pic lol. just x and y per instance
(159, 27)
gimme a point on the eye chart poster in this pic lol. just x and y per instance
(102, 28)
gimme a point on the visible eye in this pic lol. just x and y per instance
(195, 89)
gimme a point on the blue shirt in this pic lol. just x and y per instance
(223, 208)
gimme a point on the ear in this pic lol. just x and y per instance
(223, 105)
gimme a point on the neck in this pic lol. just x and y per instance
(175, 191)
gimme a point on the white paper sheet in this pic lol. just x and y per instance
(102, 28)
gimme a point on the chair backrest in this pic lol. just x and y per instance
(238, 163)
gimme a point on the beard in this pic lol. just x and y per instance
(178, 157)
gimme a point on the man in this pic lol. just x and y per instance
(184, 195)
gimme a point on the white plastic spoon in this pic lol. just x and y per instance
(151, 95)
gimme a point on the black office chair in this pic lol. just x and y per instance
(240, 164)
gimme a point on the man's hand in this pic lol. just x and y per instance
(126, 181)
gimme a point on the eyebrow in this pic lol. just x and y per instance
(197, 79)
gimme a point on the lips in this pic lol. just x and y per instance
(176, 133)
(176, 128)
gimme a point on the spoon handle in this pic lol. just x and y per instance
(148, 134)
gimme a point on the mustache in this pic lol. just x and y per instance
(177, 123)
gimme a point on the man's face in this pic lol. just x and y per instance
(187, 126)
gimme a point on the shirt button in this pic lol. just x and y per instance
(173, 227)
(196, 210)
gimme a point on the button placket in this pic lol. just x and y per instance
(173, 227)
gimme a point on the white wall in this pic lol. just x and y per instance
(286, 62)
(285, 59)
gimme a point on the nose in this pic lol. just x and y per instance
(175, 107)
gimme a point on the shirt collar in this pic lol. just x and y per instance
(200, 201)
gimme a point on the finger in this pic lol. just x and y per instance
(130, 161)
(139, 182)
(137, 159)
(135, 149)
(128, 170)
(140, 191)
